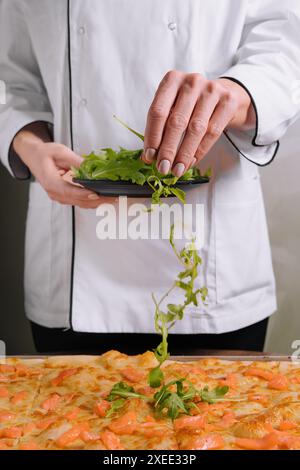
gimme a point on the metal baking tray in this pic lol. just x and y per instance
(231, 357)
(263, 358)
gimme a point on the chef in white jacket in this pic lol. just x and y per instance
(68, 66)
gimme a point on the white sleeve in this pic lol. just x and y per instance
(267, 65)
(23, 98)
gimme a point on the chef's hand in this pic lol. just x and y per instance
(188, 115)
(49, 162)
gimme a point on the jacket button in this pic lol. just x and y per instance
(81, 30)
(172, 26)
(83, 102)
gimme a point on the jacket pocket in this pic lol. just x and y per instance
(243, 258)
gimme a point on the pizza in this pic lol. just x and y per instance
(62, 402)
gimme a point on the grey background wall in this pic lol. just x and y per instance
(282, 194)
(281, 183)
(14, 328)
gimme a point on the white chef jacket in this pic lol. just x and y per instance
(76, 63)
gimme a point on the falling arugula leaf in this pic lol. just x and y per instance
(155, 377)
(178, 396)
(165, 320)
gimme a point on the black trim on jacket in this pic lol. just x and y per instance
(254, 143)
(72, 147)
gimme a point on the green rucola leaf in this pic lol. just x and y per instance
(123, 390)
(175, 310)
(161, 352)
(155, 377)
(174, 405)
(179, 194)
(140, 136)
(169, 180)
(204, 293)
(115, 406)
(208, 173)
(212, 396)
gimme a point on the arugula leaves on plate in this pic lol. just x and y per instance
(126, 165)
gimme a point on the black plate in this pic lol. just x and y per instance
(124, 188)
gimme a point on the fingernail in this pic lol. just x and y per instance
(93, 197)
(150, 155)
(179, 169)
(164, 167)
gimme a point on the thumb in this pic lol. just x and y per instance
(65, 158)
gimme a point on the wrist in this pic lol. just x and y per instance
(30, 141)
(27, 147)
(245, 117)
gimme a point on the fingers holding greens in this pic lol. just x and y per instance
(127, 165)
